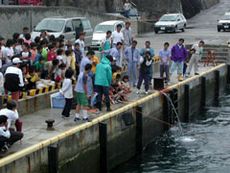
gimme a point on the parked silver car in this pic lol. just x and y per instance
(69, 27)
(171, 23)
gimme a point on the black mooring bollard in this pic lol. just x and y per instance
(186, 102)
(139, 130)
(217, 87)
(53, 159)
(103, 147)
(203, 93)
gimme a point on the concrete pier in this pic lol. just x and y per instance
(78, 146)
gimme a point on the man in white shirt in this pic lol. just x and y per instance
(81, 42)
(127, 33)
(117, 36)
(14, 79)
(196, 57)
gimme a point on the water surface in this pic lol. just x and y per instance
(204, 148)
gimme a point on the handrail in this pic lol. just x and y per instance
(81, 127)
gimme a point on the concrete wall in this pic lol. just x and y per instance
(79, 148)
(13, 19)
(35, 103)
(192, 7)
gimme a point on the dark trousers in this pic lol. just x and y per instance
(164, 68)
(103, 90)
(67, 108)
(146, 78)
(184, 69)
(14, 137)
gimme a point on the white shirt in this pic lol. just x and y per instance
(67, 89)
(18, 71)
(11, 115)
(82, 46)
(5, 133)
(117, 37)
(7, 53)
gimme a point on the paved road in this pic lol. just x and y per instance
(202, 26)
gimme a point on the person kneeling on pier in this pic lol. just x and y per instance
(12, 114)
(7, 137)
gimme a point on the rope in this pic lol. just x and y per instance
(156, 119)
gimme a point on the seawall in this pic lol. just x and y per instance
(78, 150)
(14, 18)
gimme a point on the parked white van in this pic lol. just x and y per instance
(101, 29)
(69, 27)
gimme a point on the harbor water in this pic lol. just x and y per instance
(203, 148)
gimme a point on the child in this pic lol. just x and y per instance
(67, 91)
(26, 54)
(107, 42)
(146, 64)
(33, 51)
(32, 78)
(39, 54)
(60, 56)
(82, 94)
(51, 53)
(125, 84)
(164, 61)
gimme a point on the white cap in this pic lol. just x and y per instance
(114, 58)
(16, 61)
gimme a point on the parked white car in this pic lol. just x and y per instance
(171, 23)
(69, 27)
(224, 22)
(100, 30)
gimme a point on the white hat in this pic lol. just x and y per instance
(114, 58)
(16, 61)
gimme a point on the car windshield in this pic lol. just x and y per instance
(103, 28)
(226, 17)
(50, 25)
(168, 18)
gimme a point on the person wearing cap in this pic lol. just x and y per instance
(127, 33)
(132, 56)
(14, 79)
(103, 80)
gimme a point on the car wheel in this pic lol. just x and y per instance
(175, 29)
(224, 30)
(156, 31)
(182, 29)
(218, 29)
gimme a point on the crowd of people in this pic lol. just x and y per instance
(85, 78)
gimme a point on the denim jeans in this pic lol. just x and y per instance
(177, 66)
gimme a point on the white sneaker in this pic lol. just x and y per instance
(138, 92)
(77, 117)
(146, 92)
(85, 115)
